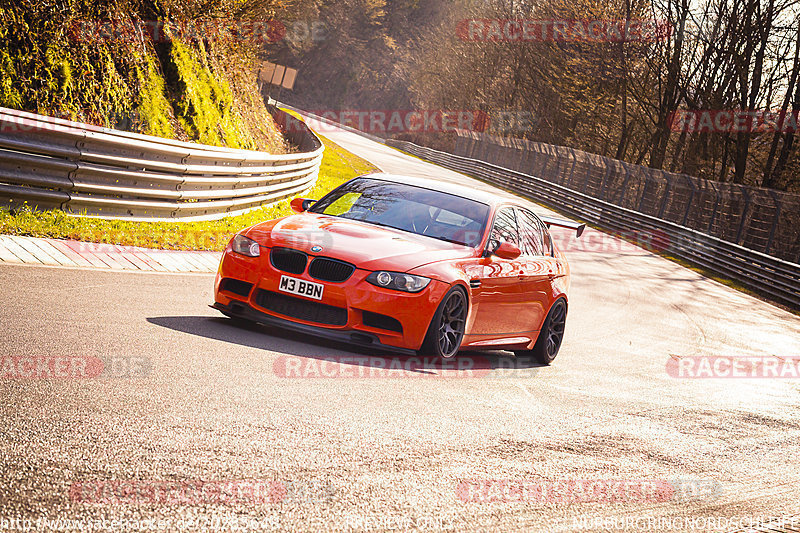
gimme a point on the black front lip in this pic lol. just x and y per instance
(359, 338)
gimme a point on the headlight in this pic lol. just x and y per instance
(398, 281)
(242, 245)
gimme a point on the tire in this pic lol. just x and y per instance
(446, 330)
(551, 335)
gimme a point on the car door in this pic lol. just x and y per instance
(497, 294)
(538, 268)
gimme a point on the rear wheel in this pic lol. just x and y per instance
(550, 336)
(446, 330)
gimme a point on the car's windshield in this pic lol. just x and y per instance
(422, 211)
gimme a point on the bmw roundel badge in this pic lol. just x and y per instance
(316, 248)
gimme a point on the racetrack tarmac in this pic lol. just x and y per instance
(203, 424)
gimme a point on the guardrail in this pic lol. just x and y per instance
(764, 220)
(87, 170)
(768, 275)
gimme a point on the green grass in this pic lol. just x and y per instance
(338, 166)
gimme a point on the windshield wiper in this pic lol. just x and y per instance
(367, 221)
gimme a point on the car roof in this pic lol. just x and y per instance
(487, 196)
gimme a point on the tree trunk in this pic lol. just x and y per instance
(770, 179)
(670, 96)
(743, 137)
(775, 177)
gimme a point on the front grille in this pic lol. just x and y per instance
(376, 320)
(302, 309)
(288, 260)
(332, 270)
(236, 286)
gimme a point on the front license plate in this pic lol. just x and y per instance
(301, 287)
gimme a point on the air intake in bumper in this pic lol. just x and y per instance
(301, 309)
(235, 286)
(378, 321)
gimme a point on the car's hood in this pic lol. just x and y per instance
(367, 246)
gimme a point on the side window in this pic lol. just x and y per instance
(505, 228)
(530, 233)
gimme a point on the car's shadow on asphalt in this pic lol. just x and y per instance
(295, 344)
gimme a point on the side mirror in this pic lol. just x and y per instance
(299, 205)
(507, 250)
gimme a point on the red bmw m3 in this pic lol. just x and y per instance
(407, 265)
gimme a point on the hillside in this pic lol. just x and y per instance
(116, 65)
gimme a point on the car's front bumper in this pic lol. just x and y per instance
(359, 338)
(358, 297)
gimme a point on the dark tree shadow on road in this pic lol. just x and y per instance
(262, 337)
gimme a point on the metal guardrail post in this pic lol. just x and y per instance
(689, 201)
(667, 192)
(773, 227)
(747, 200)
(718, 198)
(627, 178)
(571, 174)
(643, 192)
(604, 183)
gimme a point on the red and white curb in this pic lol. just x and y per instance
(57, 252)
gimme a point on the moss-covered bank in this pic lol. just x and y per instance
(79, 59)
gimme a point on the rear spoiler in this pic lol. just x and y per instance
(561, 223)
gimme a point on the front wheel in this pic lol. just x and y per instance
(551, 335)
(446, 330)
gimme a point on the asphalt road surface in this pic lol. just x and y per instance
(196, 424)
